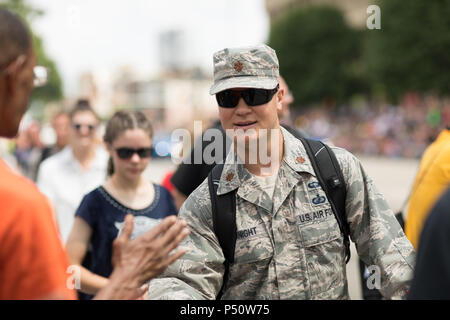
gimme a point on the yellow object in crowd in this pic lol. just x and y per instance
(431, 181)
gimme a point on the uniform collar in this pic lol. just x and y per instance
(295, 160)
(295, 155)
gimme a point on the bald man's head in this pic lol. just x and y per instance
(17, 62)
(14, 38)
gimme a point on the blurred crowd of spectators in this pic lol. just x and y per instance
(403, 130)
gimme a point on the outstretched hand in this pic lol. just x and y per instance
(139, 260)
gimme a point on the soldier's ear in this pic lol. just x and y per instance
(279, 99)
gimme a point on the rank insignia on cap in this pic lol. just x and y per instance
(300, 159)
(238, 66)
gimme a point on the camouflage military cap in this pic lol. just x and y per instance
(248, 67)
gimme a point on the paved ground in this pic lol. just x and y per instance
(393, 177)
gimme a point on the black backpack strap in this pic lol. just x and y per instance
(223, 209)
(331, 179)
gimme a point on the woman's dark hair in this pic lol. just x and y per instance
(122, 121)
(80, 106)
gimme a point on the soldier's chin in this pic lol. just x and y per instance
(248, 134)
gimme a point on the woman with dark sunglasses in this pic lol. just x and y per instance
(99, 218)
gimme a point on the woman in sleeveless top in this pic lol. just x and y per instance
(99, 218)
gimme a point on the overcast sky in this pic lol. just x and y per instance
(87, 35)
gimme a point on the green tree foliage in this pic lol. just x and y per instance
(318, 54)
(22, 9)
(53, 90)
(411, 52)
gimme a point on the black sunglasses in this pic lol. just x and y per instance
(127, 153)
(78, 126)
(252, 96)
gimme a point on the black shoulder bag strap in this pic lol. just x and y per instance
(331, 179)
(224, 220)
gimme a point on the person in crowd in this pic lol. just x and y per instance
(191, 172)
(61, 126)
(22, 150)
(99, 218)
(431, 181)
(288, 241)
(432, 273)
(37, 146)
(29, 149)
(33, 262)
(67, 176)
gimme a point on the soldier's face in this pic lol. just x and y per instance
(249, 120)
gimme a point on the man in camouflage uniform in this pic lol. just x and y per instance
(289, 244)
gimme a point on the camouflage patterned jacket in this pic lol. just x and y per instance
(288, 247)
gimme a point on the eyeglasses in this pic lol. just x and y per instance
(40, 76)
(126, 153)
(252, 97)
(90, 127)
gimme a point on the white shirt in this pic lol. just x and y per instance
(267, 183)
(62, 179)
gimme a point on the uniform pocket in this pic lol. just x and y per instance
(324, 253)
(249, 274)
(252, 249)
(318, 233)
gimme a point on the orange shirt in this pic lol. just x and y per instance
(33, 263)
(432, 180)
